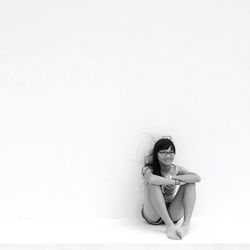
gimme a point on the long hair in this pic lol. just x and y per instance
(151, 160)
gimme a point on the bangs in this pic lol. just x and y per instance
(167, 147)
(164, 144)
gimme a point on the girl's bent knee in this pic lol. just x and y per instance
(154, 188)
(190, 185)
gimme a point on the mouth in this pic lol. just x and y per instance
(167, 159)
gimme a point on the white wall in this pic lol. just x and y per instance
(84, 85)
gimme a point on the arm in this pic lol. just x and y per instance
(186, 176)
(155, 179)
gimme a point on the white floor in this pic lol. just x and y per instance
(119, 231)
(124, 247)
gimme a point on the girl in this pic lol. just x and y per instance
(162, 202)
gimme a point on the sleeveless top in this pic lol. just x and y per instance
(168, 191)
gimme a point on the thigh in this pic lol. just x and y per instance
(176, 209)
(148, 207)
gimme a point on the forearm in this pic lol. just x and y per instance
(187, 178)
(158, 180)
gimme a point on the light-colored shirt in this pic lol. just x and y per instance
(168, 191)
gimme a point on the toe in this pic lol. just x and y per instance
(179, 233)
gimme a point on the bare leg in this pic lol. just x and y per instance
(183, 204)
(188, 204)
(158, 202)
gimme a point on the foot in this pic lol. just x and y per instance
(172, 232)
(183, 230)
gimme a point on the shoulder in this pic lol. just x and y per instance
(180, 170)
(147, 168)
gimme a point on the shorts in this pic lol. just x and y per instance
(157, 222)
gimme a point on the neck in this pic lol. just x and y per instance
(165, 166)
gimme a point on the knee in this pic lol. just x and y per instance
(189, 186)
(154, 188)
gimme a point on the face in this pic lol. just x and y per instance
(166, 156)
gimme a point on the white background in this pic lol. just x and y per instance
(85, 85)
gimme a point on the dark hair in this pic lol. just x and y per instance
(152, 160)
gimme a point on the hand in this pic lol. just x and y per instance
(181, 183)
(175, 178)
(170, 182)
